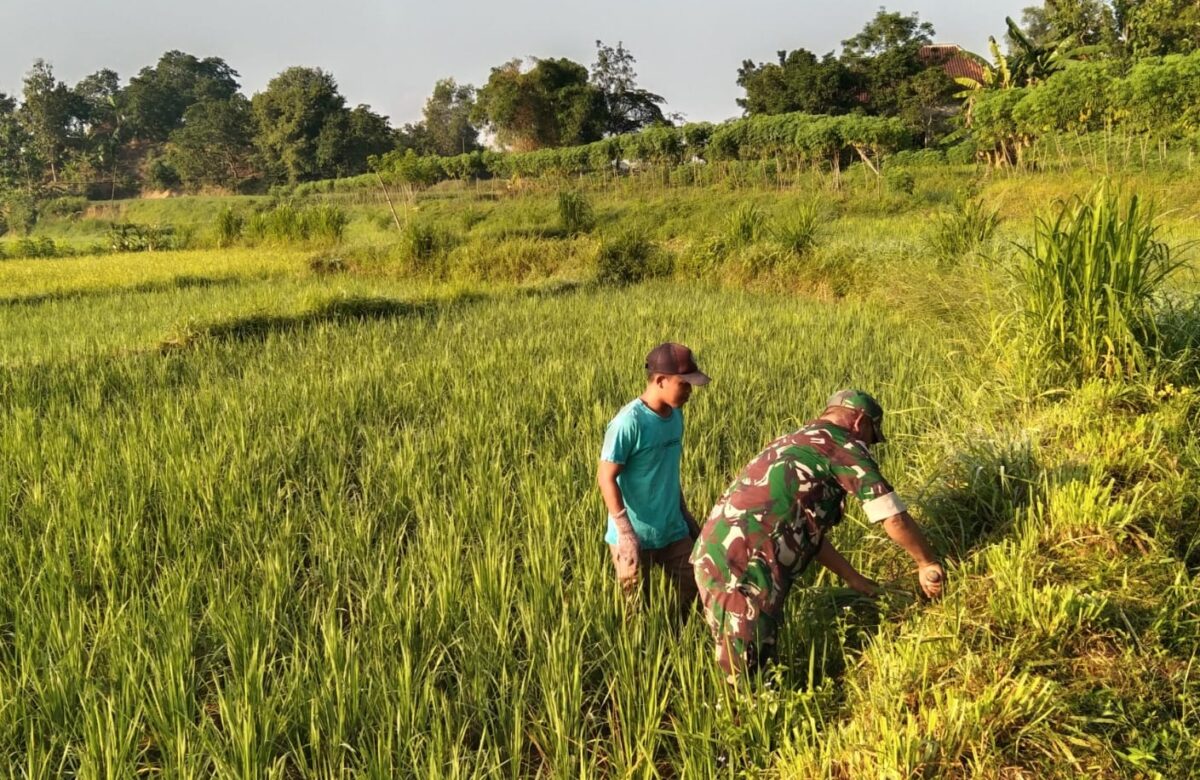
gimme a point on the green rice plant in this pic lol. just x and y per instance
(797, 232)
(575, 215)
(957, 234)
(1091, 283)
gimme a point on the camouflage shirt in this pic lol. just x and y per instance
(770, 522)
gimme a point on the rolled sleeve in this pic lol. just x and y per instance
(888, 505)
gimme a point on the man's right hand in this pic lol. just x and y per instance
(628, 548)
(932, 578)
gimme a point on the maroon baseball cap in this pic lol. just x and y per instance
(672, 358)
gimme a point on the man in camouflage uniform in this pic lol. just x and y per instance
(773, 521)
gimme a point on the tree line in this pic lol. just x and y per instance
(184, 123)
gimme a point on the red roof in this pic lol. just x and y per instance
(953, 59)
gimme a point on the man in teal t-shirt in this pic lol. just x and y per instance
(648, 519)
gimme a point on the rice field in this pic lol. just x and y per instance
(260, 522)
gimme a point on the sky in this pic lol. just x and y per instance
(389, 54)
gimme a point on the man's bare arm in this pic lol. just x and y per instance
(831, 559)
(907, 534)
(627, 545)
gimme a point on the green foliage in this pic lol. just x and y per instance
(899, 180)
(131, 237)
(18, 212)
(551, 104)
(33, 247)
(575, 214)
(1091, 281)
(629, 257)
(215, 145)
(66, 207)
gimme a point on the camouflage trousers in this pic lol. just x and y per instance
(744, 621)
(635, 582)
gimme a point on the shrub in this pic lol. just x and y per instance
(1091, 283)
(18, 212)
(899, 180)
(424, 240)
(575, 213)
(962, 232)
(325, 265)
(71, 207)
(131, 237)
(629, 257)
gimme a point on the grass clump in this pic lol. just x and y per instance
(575, 214)
(797, 233)
(229, 227)
(961, 232)
(1091, 283)
(629, 257)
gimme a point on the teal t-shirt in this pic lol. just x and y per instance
(648, 447)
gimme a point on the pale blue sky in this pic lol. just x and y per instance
(388, 54)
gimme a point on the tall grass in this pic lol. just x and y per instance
(962, 231)
(575, 215)
(1091, 281)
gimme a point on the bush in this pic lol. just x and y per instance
(1092, 282)
(629, 257)
(575, 213)
(32, 247)
(18, 213)
(962, 232)
(131, 237)
(899, 180)
(70, 207)
(425, 240)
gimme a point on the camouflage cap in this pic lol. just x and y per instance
(860, 401)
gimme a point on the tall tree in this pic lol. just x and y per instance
(103, 122)
(215, 144)
(158, 96)
(628, 107)
(48, 115)
(14, 146)
(886, 56)
(1158, 27)
(1076, 22)
(301, 123)
(798, 82)
(349, 138)
(447, 119)
(551, 104)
